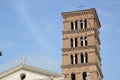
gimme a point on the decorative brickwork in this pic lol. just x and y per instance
(83, 61)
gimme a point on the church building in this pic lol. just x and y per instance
(80, 53)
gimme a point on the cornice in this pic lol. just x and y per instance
(29, 68)
(88, 18)
(77, 65)
(78, 13)
(82, 48)
(79, 48)
(83, 65)
(78, 30)
(81, 13)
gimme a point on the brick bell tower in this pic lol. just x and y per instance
(81, 45)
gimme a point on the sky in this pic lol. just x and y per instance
(32, 28)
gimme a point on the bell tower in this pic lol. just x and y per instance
(81, 45)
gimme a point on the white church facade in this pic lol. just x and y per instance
(27, 72)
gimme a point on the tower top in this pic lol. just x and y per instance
(81, 13)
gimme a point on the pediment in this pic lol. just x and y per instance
(32, 73)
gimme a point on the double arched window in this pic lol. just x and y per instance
(83, 24)
(73, 42)
(73, 25)
(74, 58)
(84, 57)
(84, 41)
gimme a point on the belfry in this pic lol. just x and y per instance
(81, 45)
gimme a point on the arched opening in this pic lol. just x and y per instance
(71, 57)
(81, 40)
(76, 44)
(71, 42)
(73, 77)
(72, 26)
(86, 41)
(76, 59)
(81, 24)
(75, 24)
(85, 23)
(84, 75)
(84, 58)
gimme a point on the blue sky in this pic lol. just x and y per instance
(32, 28)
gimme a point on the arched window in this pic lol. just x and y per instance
(84, 75)
(81, 24)
(76, 44)
(75, 24)
(81, 40)
(85, 23)
(72, 26)
(71, 57)
(73, 77)
(76, 59)
(85, 39)
(84, 57)
(73, 42)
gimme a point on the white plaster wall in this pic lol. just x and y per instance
(29, 76)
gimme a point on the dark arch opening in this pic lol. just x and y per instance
(73, 76)
(72, 26)
(84, 75)
(81, 24)
(85, 22)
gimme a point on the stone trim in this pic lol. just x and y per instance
(78, 30)
(29, 68)
(82, 65)
(65, 54)
(78, 48)
(78, 13)
(77, 65)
